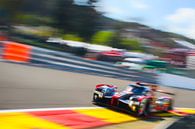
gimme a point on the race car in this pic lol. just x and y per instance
(138, 98)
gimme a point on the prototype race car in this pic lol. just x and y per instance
(139, 98)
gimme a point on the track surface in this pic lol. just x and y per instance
(32, 87)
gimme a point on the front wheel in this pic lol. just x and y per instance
(143, 109)
(96, 98)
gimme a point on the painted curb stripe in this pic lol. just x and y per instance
(26, 121)
(186, 110)
(108, 115)
(70, 118)
(177, 112)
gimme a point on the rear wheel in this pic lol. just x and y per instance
(170, 107)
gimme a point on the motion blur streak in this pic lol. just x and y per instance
(75, 118)
(62, 119)
(26, 121)
(186, 110)
(108, 115)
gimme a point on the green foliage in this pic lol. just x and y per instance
(38, 31)
(72, 37)
(30, 19)
(131, 44)
(113, 39)
(10, 8)
(103, 37)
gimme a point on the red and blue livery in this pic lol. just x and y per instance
(138, 98)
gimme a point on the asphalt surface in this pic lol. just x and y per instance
(187, 122)
(24, 86)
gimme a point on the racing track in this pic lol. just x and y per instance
(24, 86)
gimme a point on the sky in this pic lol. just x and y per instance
(169, 15)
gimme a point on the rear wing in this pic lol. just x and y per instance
(100, 85)
(155, 88)
(165, 92)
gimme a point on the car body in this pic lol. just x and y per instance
(138, 98)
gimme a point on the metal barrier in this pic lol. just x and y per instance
(68, 62)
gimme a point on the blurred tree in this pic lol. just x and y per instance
(63, 15)
(27, 11)
(131, 44)
(92, 2)
(72, 18)
(103, 38)
(86, 21)
(11, 8)
(72, 37)
(41, 7)
(116, 41)
(33, 20)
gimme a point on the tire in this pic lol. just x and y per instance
(143, 109)
(170, 106)
(96, 98)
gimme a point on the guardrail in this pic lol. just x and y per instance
(65, 61)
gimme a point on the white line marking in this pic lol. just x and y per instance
(47, 109)
(63, 108)
(184, 108)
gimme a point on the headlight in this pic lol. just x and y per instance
(160, 102)
(136, 103)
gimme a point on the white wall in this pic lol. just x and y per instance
(176, 81)
(190, 62)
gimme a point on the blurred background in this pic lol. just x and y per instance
(97, 36)
(98, 30)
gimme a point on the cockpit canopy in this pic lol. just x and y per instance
(136, 89)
